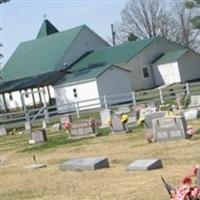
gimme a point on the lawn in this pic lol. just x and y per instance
(114, 183)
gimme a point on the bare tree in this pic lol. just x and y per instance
(143, 19)
(185, 33)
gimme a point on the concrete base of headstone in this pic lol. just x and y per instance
(35, 166)
(82, 164)
(191, 114)
(145, 164)
(3, 131)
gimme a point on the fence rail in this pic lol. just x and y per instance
(159, 95)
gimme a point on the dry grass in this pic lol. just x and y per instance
(114, 183)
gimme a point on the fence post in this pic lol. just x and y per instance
(161, 95)
(187, 89)
(105, 101)
(77, 110)
(133, 97)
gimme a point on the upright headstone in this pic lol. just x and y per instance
(3, 131)
(151, 104)
(169, 128)
(138, 107)
(81, 129)
(191, 114)
(123, 109)
(39, 136)
(28, 127)
(65, 119)
(147, 111)
(117, 125)
(82, 164)
(44, 124)
(195, 101)
(150, 117)
(105, 115)
(56, 127)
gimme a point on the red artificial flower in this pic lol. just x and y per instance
(187, 180)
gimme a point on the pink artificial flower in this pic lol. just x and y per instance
(195, 192)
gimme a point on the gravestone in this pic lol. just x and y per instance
(65, 119)
(151, 104)
(28, 127)
(35, 166)
(105, 115)
(195, 101)
(3, 131)
(39, 136)
(82, 164)
(147, 111)
(145, 164)
(150, 117)
(169, 128)
(132, 120)
(123, 110)
(81, 129)
(117, 125)
(138, 107)
(44, 124)
(56, 127)
(191, 114)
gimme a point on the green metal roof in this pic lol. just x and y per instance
(40, 55)
(83, 74)
(171, 56)
(113, 55)
(46, 29)
(40, 80)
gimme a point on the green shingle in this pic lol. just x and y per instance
(171, 56)
(113, 55)
(46, 29)
(39, 55)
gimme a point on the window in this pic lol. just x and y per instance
(75, 93)
(10, 96)
(145, 72)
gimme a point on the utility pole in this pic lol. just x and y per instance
(113, 35)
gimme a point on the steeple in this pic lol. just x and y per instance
(47, 28)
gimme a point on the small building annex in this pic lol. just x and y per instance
(78, 65)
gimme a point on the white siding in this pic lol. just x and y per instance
(86, 41)
(167, 74)
(189, 66)
(115, 81)
(144, 59)
(16, 98)
(85, 91)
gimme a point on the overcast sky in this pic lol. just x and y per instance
(21, 19)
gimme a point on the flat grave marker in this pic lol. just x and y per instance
(145, 164)
(35, 166)
(82, 164)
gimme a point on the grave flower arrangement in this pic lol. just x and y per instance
(149, 137)
(186, 190)
(190, 131)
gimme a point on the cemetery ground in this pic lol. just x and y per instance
(114, 183)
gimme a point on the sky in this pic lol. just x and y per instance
(22, 19)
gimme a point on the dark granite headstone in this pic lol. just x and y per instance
(150, 117)
(145, 164)
(81, 164)
(169, 128)
(39, 136)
